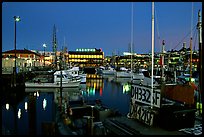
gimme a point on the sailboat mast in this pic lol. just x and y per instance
(54, 42)
(131, 35)
(191, 39)
(199, 27)
(152, 51)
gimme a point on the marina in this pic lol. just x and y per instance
(86, 92)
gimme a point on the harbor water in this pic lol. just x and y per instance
(37, 107)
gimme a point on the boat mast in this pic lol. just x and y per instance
(162, 62)
(152, 52)
(199, 27)
(54, 47)
(131, 36)
(191, 39)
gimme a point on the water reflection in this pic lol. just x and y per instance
(38, 105)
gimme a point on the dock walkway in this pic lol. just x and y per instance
(142, 129)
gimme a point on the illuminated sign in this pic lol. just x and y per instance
(85, 50)
(128, 53)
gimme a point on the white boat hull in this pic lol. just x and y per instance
(108, 72)
(122, 74)
(52, 85)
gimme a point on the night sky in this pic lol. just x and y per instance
(105, 25)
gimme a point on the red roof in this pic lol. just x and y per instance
(24, 51)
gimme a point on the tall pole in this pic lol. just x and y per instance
(16, 19)
(162, 61)
(131, 37)
(54, 42)
(199, 27)
(152, 53)
(191, 45)
(44, 45)
(44, 56)
(15, 52)
(60, 65)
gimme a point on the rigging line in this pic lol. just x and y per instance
(183, 38)
(195, 40)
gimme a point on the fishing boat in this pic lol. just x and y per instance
(169, 106)
(56, 80)
(75, 72)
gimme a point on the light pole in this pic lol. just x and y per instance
(16, 19)
(44, 45)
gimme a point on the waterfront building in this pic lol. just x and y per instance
(86, 57)
(25, 59)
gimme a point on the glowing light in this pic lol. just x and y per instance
(36, 94)
(7, 106)
(44, 45)
(17, 18)
(44, 103)
(26, 106)
(126, 88)
(19, 113)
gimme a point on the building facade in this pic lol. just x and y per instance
(25, 59)
(86, 57)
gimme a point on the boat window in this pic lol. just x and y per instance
(65, 76)
(58, 76)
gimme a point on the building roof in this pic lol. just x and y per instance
(24, 51)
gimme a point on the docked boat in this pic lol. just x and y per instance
(75, 72)
(169, 106)
(107, 70)
(83, 118)
(56, 80)
(139, 75)
(123, 73)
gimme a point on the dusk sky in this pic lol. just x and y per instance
(105, 25)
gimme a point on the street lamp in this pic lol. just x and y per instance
(44, 45)
(16, 19)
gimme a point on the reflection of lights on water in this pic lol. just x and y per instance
(101, 91)
(44, 103)
(26, 106)
(126, 88)
(36, 94)
(19, 113)
(91, 91)
(7, 106)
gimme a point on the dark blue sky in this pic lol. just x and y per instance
(105, 25)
